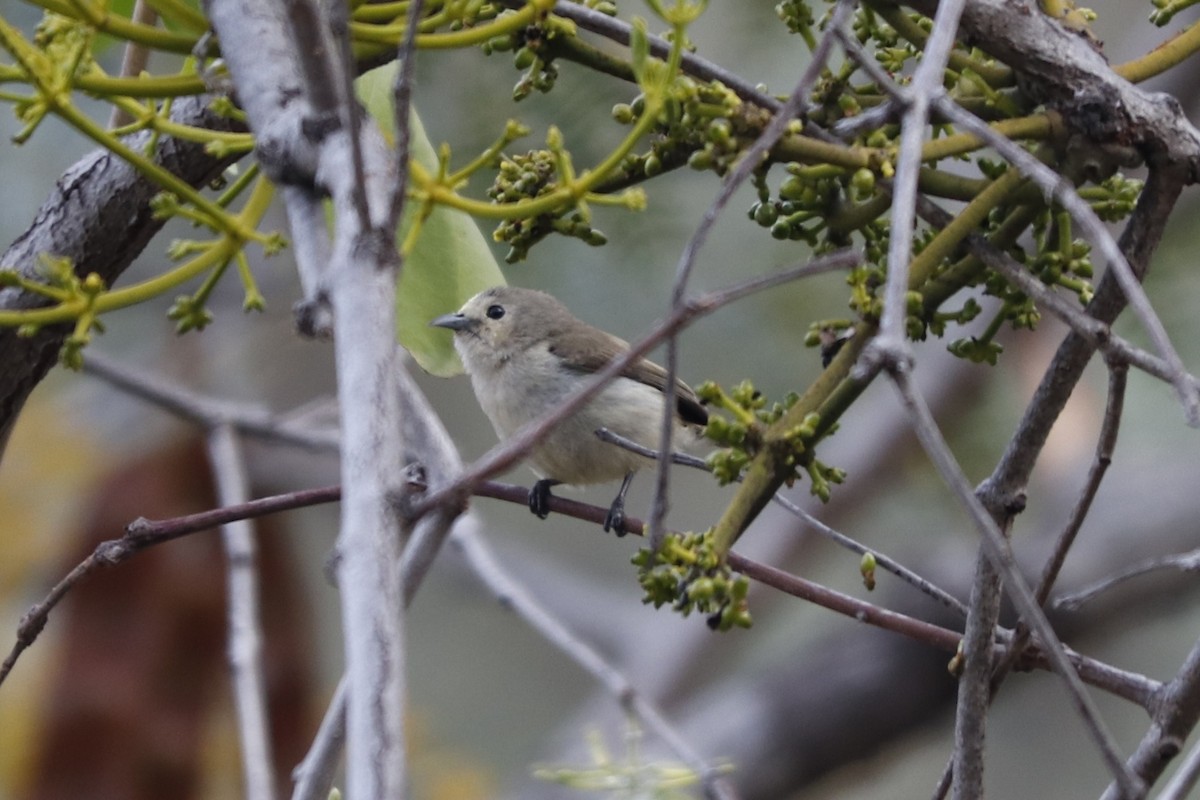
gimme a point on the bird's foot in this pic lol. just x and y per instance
(539, 497)
(615, 519)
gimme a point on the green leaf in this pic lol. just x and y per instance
(451, 261)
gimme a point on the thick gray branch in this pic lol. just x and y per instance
(1062, 69)
(98, 216)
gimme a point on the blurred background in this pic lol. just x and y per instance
(807, 704)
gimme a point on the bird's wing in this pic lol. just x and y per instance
(591, 358)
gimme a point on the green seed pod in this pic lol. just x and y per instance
(720, 130)
(700, 160)
(866, 568)
(765, 214)
(524, 58)
(792, 188)
(863, 181)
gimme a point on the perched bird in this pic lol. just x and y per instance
(526, 354)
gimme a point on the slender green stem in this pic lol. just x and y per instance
(571, 191)
(217, 253)
(98, 83)
(122, 27)
(181, 14)
(485, 158)
(1037, 126)
(392, 35)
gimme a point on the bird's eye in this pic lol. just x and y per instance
(495, 312)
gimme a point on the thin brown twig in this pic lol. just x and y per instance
(342, 72)
(134, 59)
(143, 533)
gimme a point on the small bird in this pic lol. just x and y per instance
(526, 353)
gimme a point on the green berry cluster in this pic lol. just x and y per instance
(469, 13)
(796, 15)
(1114, 199)
(805, 199)
(868, 27)
(740, 434)
(978, 350)
(530, 55)
(689, 573)
(61, 284)
(705, 125)
(526, 176)
(190, 313)
(1165, 10)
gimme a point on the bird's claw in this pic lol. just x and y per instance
(539, 497)
(615, 519)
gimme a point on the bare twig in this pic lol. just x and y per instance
(1183, 562)
(313, 777)
(1175, 711)
(996, 547)
(619, 31)
(1104, 449)
(1185, 778)
(205, 411)
(143, 533)
(1105, 444)
(310, 242)
(134, 59)
(245, 619)
(916, 98)
(341, 72)
(401, 107)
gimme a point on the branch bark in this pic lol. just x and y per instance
(98, 216)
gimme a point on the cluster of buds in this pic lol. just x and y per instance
(522, 177)
(689, 572)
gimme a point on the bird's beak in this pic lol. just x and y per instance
(455, 322)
